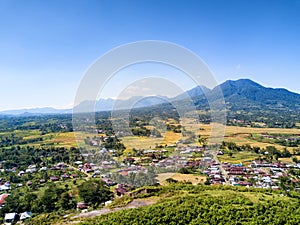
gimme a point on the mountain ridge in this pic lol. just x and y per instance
(235, 92)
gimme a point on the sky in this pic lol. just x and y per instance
(46, 47)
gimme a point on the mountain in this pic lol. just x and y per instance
(111, 104)
(256, 92)
(249, 104)
(35, 111)
(194, 92)
(245, 91)
(243, 95)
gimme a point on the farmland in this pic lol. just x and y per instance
(47, 154)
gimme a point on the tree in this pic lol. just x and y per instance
(49, 199)
(295, 160)
(30, 202)
(94, 192)
(67, 201)
(286, 153)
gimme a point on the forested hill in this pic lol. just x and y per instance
(246, 91)
(251, 102)
(247, 100)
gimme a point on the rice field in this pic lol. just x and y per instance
(139, 142)
(194, 179)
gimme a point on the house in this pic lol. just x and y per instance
(10, 218)
(244, 183)
(107, 202)
(43, 168)
(21, 173)
(78, 162)
(54, 179)
(81, 205)
(5, 187)
(207, 159)
(25, 215)
(108, 182)
(2, 199)
(74, 175)
(120, 190)
(65, 176)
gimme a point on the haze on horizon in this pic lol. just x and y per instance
(46, 46)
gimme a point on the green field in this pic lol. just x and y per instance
(238, 157)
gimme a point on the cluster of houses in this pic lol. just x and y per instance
(62, 167)
(258, 174)
(189, 150)
(280, 137)
(214, 173)
(12, 218)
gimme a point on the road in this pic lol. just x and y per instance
(223, 171)
(134, 204)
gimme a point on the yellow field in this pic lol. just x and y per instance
(240, 135)
(131, 142)
(169, 138)
(66, 139)
(194, 179)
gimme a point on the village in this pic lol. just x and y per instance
(119, 175)
(123, 173)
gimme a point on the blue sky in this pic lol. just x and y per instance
(46, 46)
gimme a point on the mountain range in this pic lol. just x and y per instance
(242, 94)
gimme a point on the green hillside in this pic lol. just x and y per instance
(188, 204)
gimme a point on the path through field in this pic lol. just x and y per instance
(134, 204)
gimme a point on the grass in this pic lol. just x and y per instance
(238, 157)
(193, 178)
(64, 139)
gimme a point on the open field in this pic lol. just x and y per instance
(240, 135)
(238, 157)
(169, 138)
(63, 139)
(194, 179)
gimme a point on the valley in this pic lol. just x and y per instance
(48, 166)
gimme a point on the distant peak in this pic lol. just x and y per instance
(243, 81)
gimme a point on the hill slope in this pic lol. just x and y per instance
(244, 89)
(251, 102)
(187, 204)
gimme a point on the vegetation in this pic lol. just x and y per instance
(45, 141)
(54, 197)
(94, 192)
(189, 204)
